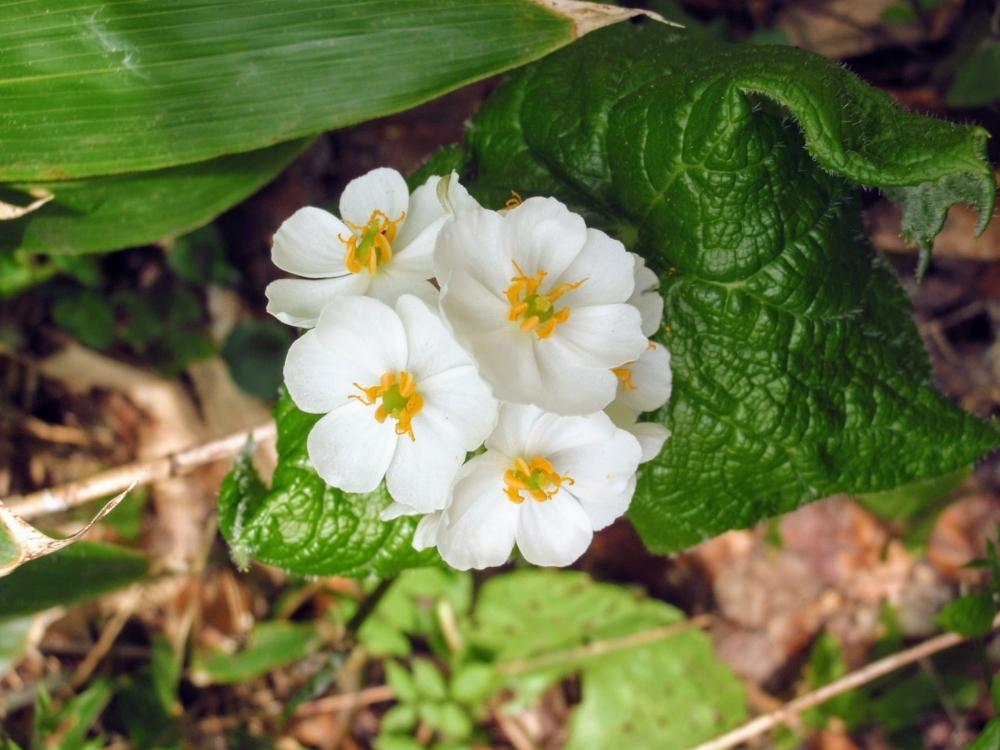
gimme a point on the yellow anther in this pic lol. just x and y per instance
(399, 400)
(624, 374)
(533, 309)
(370, 245)
(537, 477)
(514, 201)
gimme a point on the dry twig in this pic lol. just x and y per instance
(855, 679)
(67, 496)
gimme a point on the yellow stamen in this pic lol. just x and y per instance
(514, 201)
(537, 477)
(624, 374)
(370, 245)
(533, 308)
(400, 400)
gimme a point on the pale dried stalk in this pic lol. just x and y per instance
(67, 496)
(855, 679)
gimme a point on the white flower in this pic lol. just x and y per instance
(401, 399)
(383, 247)
(546, 482)
(643, 385)
(646, 296)
(540, 301)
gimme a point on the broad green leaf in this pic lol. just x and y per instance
(108, 213)
(81, 571)
(303, 525)
(798, 372)
(273, 645)
(977, 79)
(968, 615)
(428, 680)
(989, 739)
(666, 693)
(96, 88)
(69, 725)
(255, 352)
(910, 499)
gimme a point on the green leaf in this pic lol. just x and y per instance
(402, 682)
(274, 644)
(910, 499)
(73, 719)
(968, 615)
(977, 80)
(447, 718)
(108, 213)
(147, 705)
(307, 527)
(87, 316)
(995, 692)
(255, 352)
(989, 739)
(826, 664)
(81, 571)
(428, 680)
(472, 683)
(797, 370)
(185, 81)
(400, 718)
(665, 693)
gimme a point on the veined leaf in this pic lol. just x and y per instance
(305, 526)
(798, 372)
(96, 88)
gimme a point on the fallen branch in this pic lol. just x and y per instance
(855, 679)
(67, 496)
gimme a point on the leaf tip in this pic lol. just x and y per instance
(587, 16)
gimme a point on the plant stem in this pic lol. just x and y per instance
(368, 606)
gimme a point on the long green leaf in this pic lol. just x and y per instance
(108, 213)
(94, 88)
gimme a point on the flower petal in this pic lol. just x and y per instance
(349, 449)
(428, 531)
(652, 378)
(425, 208)
(319, 379)
(366, 333)
(603, 335)
(307, 244)
(515, 425)
(472, 308)
(555, 532)
(423, 469)
(607, 267)
(481, 521)
(507, 361)
(416, 257)
(432, 347)
(298, 302)
(542, 234)
(651, 437)
(462, 403)
(552, 433)
(389, 285)
(382, 189)
(472, 243)
(569, 388)
(646, 296)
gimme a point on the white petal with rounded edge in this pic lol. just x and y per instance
(552, 433)
(428, 530)
(432, 347)
(515, 425)
(555, 532)
(471, 243)
(307, 244)
(603, 335)
(319, 378)
(424, 209)
(397, 510)
(382, 189)
(542, 234)
(651, 437)
(417, 256)
(389, 285)
(567, 387)
(463, 404)
(481, 521)
(602, 473)
(366, 333)
(423, 469)
(298, 302)
(349, 449)
(471, 308)
(607, 267)
(507, 361)
(646, 296)
(652, 378)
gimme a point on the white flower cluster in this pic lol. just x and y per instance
(439, 328)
